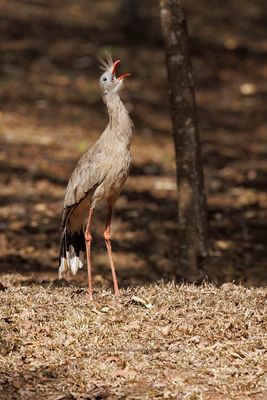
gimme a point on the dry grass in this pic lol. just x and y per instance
(166, 341)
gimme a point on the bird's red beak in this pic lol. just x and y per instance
(114, 68)
(115, 65)
(123, 76)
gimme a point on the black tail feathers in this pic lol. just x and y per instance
(71, 251)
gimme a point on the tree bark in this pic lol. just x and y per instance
(192, 211)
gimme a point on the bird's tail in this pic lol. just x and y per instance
(71, 253)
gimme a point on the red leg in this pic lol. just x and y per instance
(88, 240)
(108, 244)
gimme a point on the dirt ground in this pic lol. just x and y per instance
(51, 111)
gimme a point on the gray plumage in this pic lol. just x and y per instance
(100, 173)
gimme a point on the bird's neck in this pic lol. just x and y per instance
(120, 123)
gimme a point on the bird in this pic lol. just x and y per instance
(98, 177)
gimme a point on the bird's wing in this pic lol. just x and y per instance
(87, 175)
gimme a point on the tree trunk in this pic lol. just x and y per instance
(192, 213)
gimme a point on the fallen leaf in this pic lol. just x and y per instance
(143, 302)
(228, 286)
(165, 330)
(105, 309)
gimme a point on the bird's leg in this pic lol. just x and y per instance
(108, 244)
(88, 240)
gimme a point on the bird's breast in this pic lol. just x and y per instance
(117, 170)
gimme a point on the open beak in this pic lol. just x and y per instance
(114, 68)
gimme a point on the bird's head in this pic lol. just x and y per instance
(110, 85)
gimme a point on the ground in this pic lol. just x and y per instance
(51, 111)
(160, 341)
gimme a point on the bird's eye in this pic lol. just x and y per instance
(105, 79)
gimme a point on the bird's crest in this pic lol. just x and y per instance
(106, 64)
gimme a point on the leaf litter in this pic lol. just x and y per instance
(196, 342)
